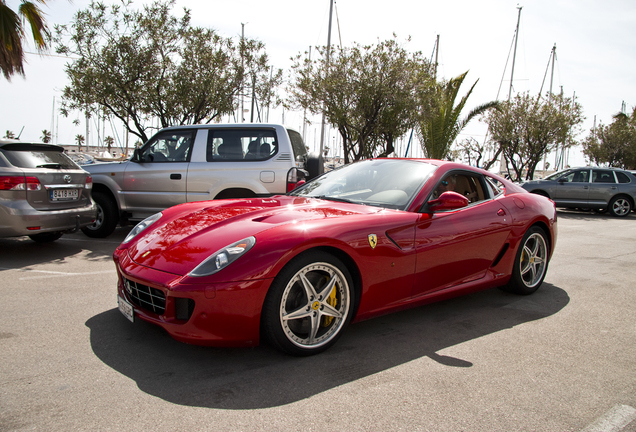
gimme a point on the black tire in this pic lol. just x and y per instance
(620, 206)
(107, 217)
(315, 165)
(307, 317)
(46, 237)
(531, 263)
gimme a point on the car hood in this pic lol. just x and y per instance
(189, 233)
(106, 167)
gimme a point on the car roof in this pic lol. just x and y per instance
(226, 125)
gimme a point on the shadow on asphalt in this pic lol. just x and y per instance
(21, 252)
(252, 378)
(591, 215)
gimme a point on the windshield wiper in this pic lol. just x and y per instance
(50, 165)
(332, 198)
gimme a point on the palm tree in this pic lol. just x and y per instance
(439, 129)
(46, 136)
(12, 33)
(79, 139)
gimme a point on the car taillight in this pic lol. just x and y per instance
(295, 178)
(89, 182)
(19, 183)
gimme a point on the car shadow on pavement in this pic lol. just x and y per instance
(590, 215)
(260, 377)
(20, 252)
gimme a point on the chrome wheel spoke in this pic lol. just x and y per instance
(314, 305)
(533, 260)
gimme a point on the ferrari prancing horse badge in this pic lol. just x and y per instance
(373, 240)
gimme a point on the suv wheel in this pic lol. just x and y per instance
(620, 206)
(106, 219)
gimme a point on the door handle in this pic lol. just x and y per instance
(501, 212)
(175, 176)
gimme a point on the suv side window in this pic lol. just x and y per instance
(622, 177)
(298, 145)
(603, 176)
(168, 146)
(581, 176)
(233, 145)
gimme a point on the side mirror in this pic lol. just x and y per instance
(135, 156)
(447, 201)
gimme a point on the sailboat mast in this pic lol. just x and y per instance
(322, 127)
(514, 56)
(552, 73)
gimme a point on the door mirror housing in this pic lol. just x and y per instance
(447, 201)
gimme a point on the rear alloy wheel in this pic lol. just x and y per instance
(531, 263)
(309, 304)
(46, 237)
(620, 206)
(106, 219)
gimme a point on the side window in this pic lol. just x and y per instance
(168, 146)
(496, 187)
(603, 176)
(465, 184)
(232, 145)
(622, 177)
(582, 176)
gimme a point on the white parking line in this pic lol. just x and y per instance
(50, 274)
(614, 420)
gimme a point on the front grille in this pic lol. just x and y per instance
(146, 297)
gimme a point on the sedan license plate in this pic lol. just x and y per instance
(126, 308)
(64, 194)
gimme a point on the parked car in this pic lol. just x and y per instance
(363, 240)
(43, 193)
(591, 188)
(195, 163)
(82, 158)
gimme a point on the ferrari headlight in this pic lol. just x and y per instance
(142, 226)
(223, 258)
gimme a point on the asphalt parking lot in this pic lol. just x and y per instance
(563, 359)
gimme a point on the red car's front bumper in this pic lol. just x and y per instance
(221, 314)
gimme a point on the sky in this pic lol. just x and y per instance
(595, 52)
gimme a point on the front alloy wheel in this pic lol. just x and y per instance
(309, 305)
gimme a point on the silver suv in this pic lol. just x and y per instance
(43, 193)
(195, 163)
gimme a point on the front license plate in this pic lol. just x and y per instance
(64, 194)
(126, 308)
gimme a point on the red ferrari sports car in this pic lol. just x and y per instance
(369, 238)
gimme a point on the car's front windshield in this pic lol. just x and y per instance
(389, 183)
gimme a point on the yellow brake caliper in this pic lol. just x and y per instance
(331, 301)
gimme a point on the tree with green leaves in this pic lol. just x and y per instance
(528, 128)
(9, 135)
(440, 126)
(614, 144)
(369, 93)
(148, 66)
(13, 33)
